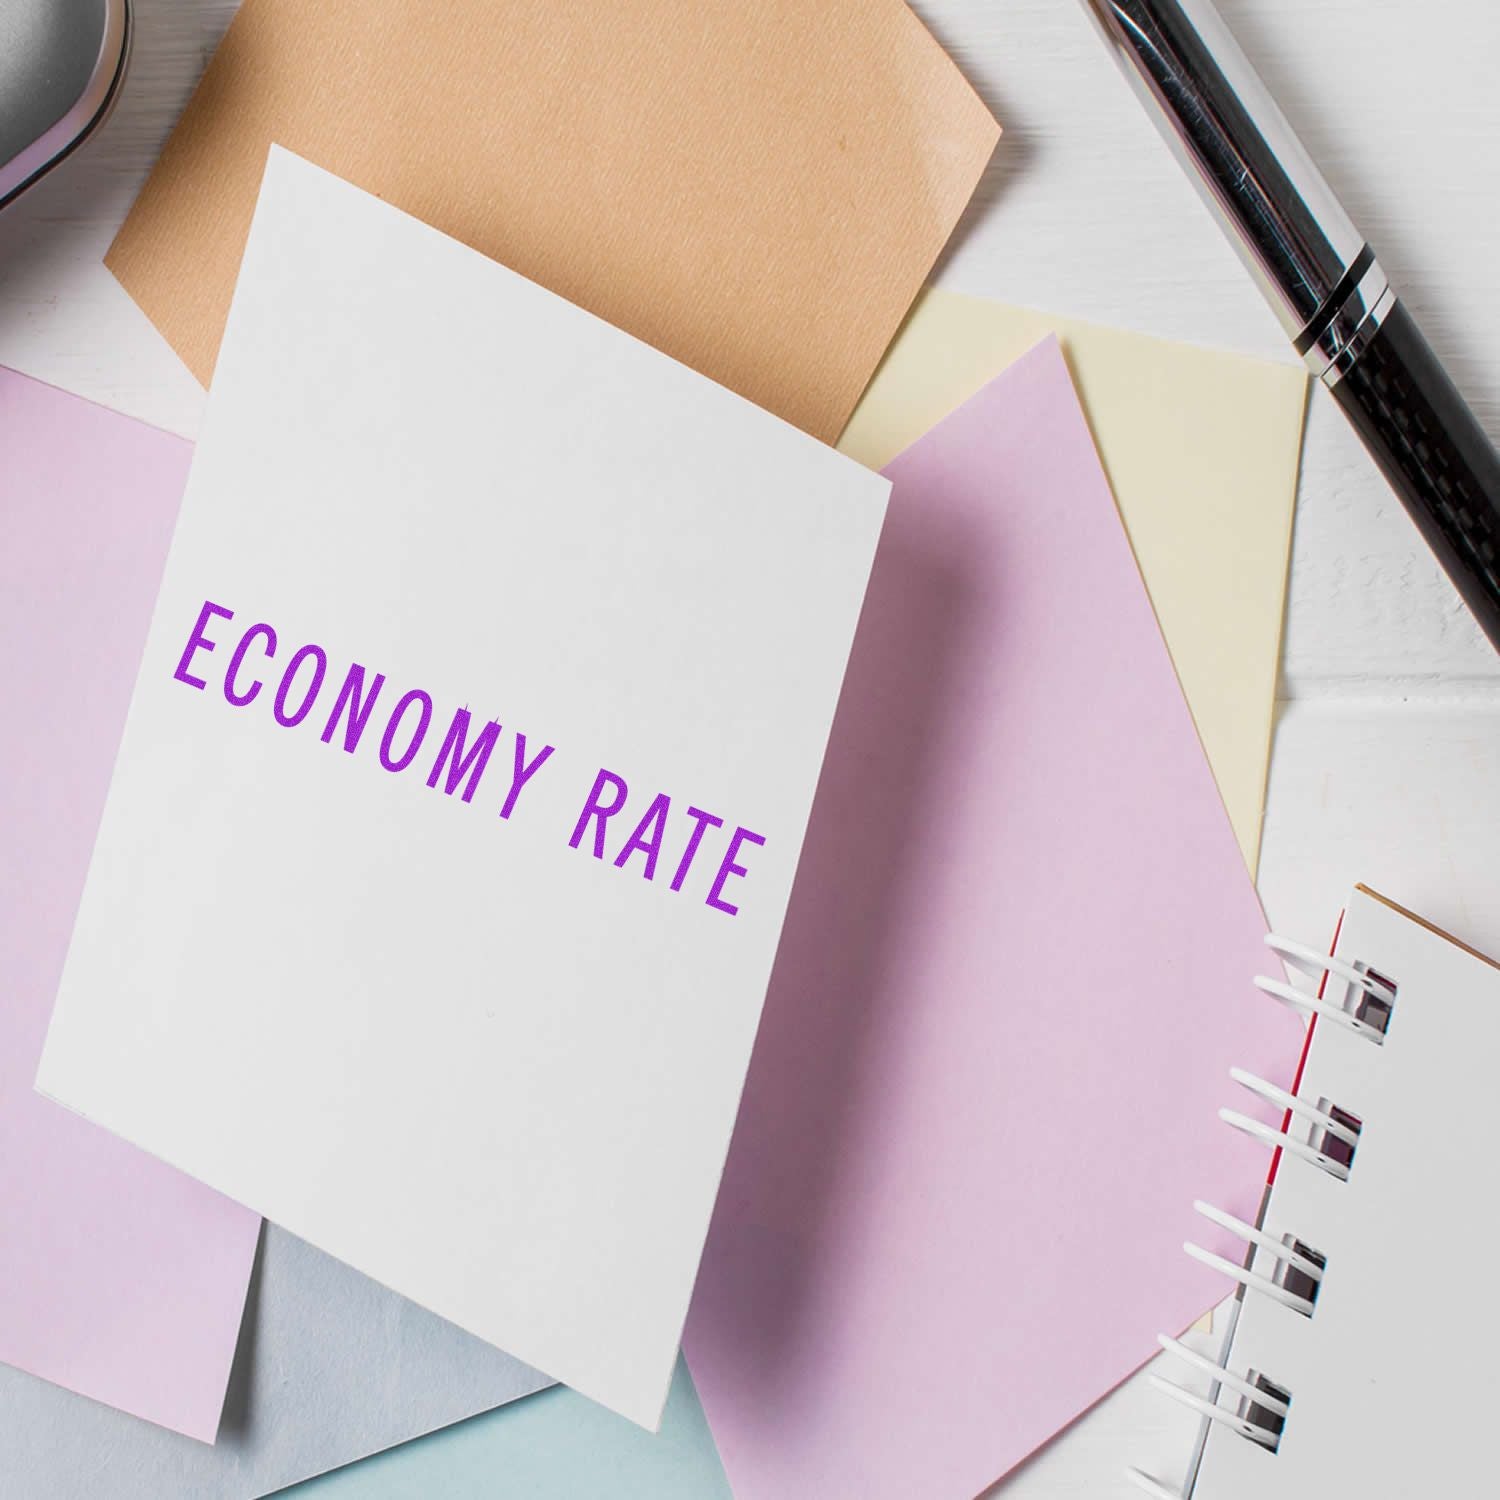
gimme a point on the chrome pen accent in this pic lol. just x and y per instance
(1350, 327)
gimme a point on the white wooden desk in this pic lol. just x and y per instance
(1387, 758)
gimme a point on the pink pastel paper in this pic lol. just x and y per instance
(119, 1277)
(1015, 973)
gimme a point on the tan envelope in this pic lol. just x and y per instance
(757, 187)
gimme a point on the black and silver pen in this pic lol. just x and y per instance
(1322, 279)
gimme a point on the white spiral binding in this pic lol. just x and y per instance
(1253, 1236)
(1283, 1100)
(1317, 965)
(1323, 1124)
(1280, 1139)
(1315, 1005)
(1222, 1376)
(1154, 1487)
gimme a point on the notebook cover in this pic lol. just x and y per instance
(1387, 1394)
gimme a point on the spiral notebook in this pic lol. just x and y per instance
(1340, 1373)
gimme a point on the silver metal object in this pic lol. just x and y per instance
(61, 66)
(1223, 125)
(1322, 280)
(1351, 330)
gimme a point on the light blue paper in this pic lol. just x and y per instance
(555, 1445)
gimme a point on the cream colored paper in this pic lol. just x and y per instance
(758, 189)
(1201, 448)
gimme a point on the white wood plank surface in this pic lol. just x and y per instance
(1387, 757)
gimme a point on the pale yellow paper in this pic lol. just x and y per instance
(1202, 450)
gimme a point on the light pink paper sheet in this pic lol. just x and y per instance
(1016, 971)
(119, 1277)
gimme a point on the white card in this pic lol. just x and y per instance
(373, 969)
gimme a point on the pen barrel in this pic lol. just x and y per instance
(1321, 279)
(1434, 453)
(1255, 175)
